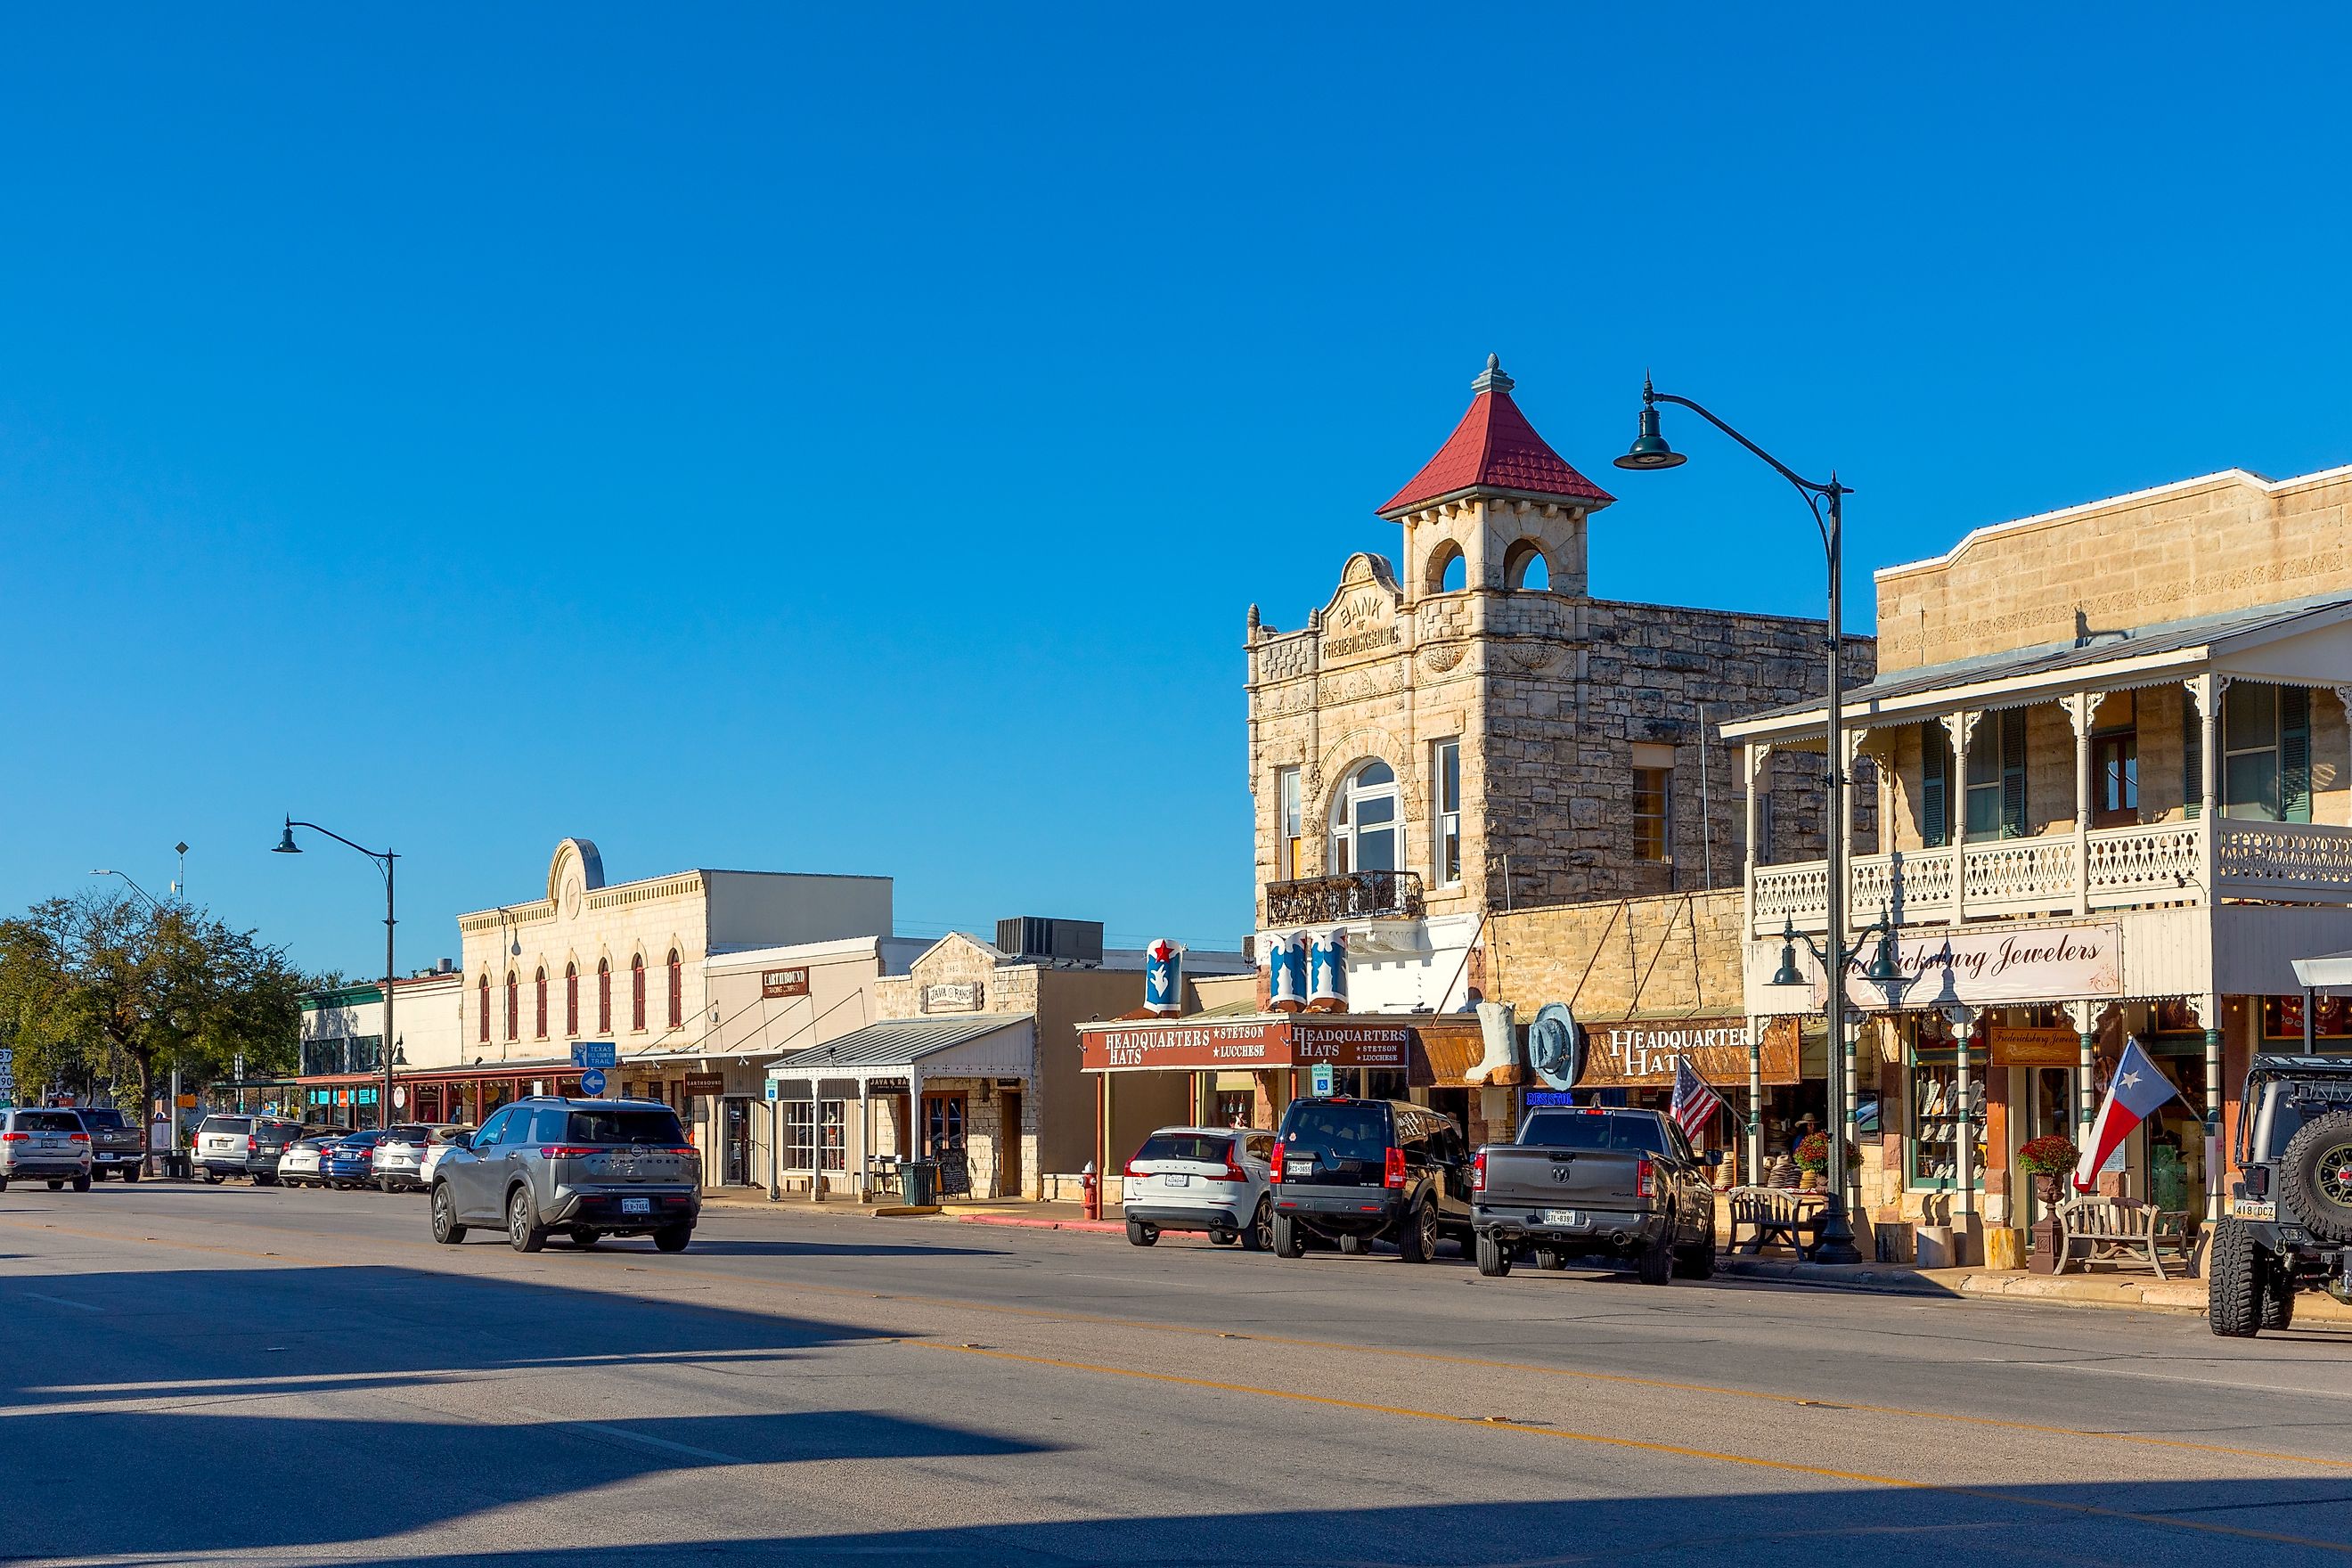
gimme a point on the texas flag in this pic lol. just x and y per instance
(2136, 1090)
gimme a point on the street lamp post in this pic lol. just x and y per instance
(383, 860)
(1650, 450)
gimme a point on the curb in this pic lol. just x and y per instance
(1102, 1227)
(1858, 1277)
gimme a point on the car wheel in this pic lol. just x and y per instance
(387, 1185)
(581, 1237)
(81, 1183)
(2314, 1176)
(1551, 1258)
(1697, 1261)
(1418, 1240)
(1656, 1264)
(265, 1178)
(1223, 1237)
(1141, 1234)
(445, 1229)
(1494, 1258)
(524, 1233)
(131, 1172)
(213, 1178)
(673, 1237)
(59, 1185)
(1289, 1241)
(1259, 1236)
(2278, 1296)
(3, 1184)
(2233, 1279)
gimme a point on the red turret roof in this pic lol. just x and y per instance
(1495, 448)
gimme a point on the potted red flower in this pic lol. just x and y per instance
(2049, 1160)
(1813, 1156)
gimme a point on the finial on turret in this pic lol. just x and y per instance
(1493, 379)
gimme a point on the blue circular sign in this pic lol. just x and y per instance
(592, 1081)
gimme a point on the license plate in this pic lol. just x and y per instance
(1177, 1180)
(2254, 1208)
(1560, 1216)
(1296, 1168)
(637, 1205)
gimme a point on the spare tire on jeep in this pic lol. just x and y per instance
(2314, 1176)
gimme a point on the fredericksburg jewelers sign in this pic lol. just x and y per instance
(1973, 968)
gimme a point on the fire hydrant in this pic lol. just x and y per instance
(1091, 1185)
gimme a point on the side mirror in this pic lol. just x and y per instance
(1712, 1158)
(463, 1140)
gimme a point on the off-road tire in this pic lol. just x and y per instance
(2278, 1296)
(1417, 1237)
(524, 1233)
(1141, 1234)
(447, 1230)
(673, 1237)
(2233, 1283)
(1493, 1258)
(2314, 1176)
(1258, 1235)
(1656, 1264)
(1289, 1240)
(1697, 1261)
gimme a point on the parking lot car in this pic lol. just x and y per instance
(297, 1165)
(1350, 1171)
(266, 1145)
(451, 1138)
(588, 1168)
(398, 1165)
(350, 1161)
(1213, 1179)
(117, 1143)
(49, 1146)
(1596, 1182)
(220, 1148)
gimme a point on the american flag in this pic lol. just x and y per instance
(1695, 1103)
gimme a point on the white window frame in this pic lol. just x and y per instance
(1446, 813)
(1650, 758)
(1347, 826)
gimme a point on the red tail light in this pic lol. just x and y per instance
(78, 1138)
(251, 1143)
(1478, 1172)
(15, 1137)
(1274, 1175)
(1642, 1173)
(1128, 1170)
(1392, 1169)
(566, 1151)
(1233, 1173)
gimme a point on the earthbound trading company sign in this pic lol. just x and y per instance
(1975, 968)
(1252, 1043)
(775, 983)
(1636, 1053)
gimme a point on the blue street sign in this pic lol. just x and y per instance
(771, 1089)
(592, 1082)
(1322, 1077)
(594, 1054)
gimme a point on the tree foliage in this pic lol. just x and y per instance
(96, 990)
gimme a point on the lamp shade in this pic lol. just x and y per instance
(1650, 449)
(286, 845)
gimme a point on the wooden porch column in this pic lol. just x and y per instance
(2079, 707)
(1751, 760)
(2206, 691)
(1959, 726)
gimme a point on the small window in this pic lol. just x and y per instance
(1288, 810)
(1654, 802)
(538, 998)
(604, 996)
(570, 1000)
(485, 1009)
(514, 1006)
(637, 992)
(1935, 785)
(1445, 832)
(1525, 570)
(677, 991)
(1448, 571)
(1996, 776)
(1364, 826)
(2267, 753)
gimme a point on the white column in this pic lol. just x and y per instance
(1754, 1175)
(1964, 1138)
(2211, 1006)
(1751, 764)
(2079, 709)
(1960, 727)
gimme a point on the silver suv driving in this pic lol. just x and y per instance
(49, 1146)
(588, 1168)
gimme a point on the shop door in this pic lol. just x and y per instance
(1008, 1145)
(735, 1143)
(2050, 1109)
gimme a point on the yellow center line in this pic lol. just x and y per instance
(1046, 1314)
(1983, 1494)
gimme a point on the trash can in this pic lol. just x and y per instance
(919, 1181)
(177, 1165)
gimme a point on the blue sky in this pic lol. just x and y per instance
(850, 440)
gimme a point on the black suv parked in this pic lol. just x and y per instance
(1348, 1171)
(2290, 1222)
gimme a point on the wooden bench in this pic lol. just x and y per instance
(1774, 1216)
(2119, 1227)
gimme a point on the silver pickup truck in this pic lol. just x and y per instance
(1595, 1182)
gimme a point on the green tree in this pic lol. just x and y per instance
(94, 989)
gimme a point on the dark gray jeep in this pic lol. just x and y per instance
(2289, 1227)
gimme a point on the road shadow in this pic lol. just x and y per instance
(724, 1246)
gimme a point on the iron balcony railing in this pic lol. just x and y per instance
(1353, 896)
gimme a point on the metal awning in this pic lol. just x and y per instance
(2324, 971)
(986, 1044)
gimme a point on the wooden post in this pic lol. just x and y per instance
(2079, 709)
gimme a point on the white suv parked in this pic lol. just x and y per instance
(1202, 1178)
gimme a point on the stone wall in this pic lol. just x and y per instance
(1662, 955)
(2222, 542)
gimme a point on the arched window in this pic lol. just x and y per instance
(637, 992)
(1364, 826)
(572, 1000)
(1448, 571)
(604, 996)
(514, 1006)
(1525, 568)
(539, 997)
(486, 1008)
(677, 991)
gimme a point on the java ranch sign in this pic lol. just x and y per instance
(1978, 968)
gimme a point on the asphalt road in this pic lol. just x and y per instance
(241, 1376)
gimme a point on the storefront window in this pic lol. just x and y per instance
(943, 1123)
(832, 1127)
(1935, 1125)
(799, 1134)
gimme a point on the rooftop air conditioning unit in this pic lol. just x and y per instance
(1050, 942)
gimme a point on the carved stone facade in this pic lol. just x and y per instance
(1555, 697)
